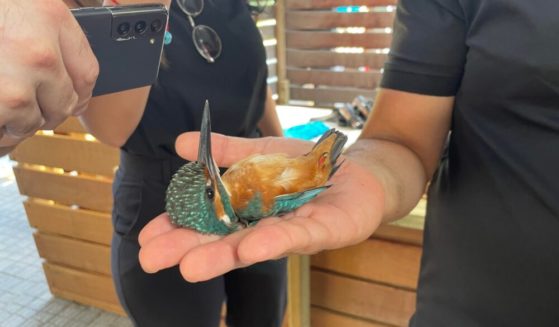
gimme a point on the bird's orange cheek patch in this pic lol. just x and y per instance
(219, 209)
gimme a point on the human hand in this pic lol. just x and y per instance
(48, 69)
(345, 214)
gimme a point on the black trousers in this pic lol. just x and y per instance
(255, 296)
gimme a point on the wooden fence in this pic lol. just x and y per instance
(67, 176)
(333, 55)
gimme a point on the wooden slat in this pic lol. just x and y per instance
(325, 318)
(399, 234)
(270, 51)
(70, 125)
(366, 80)
(87, 288)
(272, 70)
(283, 83)
(380, 261)
(327, 40)
(81, 255)
(268, 32)
(408, 229)
(85, 192)
(314, 20)
(320, 4)
(298, 290)
(328, 95)
(69, 153)
(63, 220)
(362, 299)
(323, 58)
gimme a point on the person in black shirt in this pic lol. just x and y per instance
(234, 82)
(470, 103)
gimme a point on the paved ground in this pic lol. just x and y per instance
(25, 299)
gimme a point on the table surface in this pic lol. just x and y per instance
(294, 115)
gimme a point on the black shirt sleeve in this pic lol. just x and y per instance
(428, 49)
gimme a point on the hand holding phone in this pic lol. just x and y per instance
(127, 41)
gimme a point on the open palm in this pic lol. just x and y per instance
(347, 213)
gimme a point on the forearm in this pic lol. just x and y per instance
(398, 169)
(6, 150)
(270, 124)
(113, 117)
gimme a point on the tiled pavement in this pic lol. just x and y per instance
(25, 299)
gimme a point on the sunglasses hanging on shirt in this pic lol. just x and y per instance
(205, 38)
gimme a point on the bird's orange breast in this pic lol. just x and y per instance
(270, 176)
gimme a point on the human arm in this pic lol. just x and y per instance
(112, 118)
(383, 176)
(48, 69)
(269, 124)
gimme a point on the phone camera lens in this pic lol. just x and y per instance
(140, 27)
(123, 29)
(156, 26)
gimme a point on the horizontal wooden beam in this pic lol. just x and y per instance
(87, 288)
(365, 80)
(84, 192)
(63, 220)
(328, 95)
(359, 298)
(77, 254)
(70, 125)
(329, 40)
(380, 261)
(69, 153)
(327, 318)
(315, 20)
(327, 58)
(315, 4)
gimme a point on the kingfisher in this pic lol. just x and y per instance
(256, 187)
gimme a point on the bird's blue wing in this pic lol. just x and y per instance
(288, 202)
(282, 204)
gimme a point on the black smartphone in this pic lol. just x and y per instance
(127, 41)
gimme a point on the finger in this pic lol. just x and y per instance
(167, 249)
(307, 230)
(79, 60)
(157, 226)
(213, 259)
(217, 258)
(228, 150)
(56, 99)
(20, 115)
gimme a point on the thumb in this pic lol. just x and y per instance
(227, 150)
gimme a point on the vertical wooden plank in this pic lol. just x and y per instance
(298, 305)
(283, 83)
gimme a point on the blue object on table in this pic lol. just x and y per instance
(306, 131)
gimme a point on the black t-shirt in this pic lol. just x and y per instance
(235, 84)
(491, 242)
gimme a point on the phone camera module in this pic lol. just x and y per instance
(156, 26)
(123, 29)
(140, 27)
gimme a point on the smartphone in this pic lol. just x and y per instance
(127, 41)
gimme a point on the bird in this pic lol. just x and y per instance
(259, 186)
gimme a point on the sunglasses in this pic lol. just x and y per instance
(205, 38)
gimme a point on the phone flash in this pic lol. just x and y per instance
(151, 41)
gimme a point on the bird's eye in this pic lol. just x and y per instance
(210, 193)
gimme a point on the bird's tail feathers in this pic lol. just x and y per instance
(332, 142)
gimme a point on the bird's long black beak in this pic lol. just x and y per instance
(205, 146)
